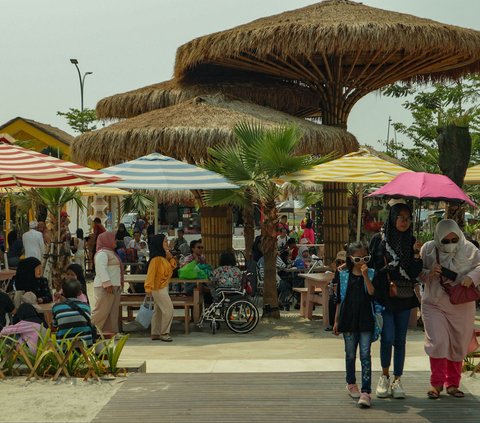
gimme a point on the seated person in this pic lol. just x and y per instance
(196, 253)
(178, 242)
(29, 278)
(143, 252)
(72, 317)
(135, 242)
(227, 274)
(303, 260)
(282, 239)
(292, 249)
(27, 324)
(6, 306)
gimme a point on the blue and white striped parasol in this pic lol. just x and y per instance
(158, 172)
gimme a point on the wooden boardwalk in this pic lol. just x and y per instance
(275, 397)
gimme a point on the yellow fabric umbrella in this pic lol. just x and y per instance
(360, 167)
(472, 177)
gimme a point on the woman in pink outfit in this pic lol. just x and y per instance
(449, 328)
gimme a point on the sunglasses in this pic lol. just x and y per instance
(449, 241)
(357, 260)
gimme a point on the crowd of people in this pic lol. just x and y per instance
(394, 274)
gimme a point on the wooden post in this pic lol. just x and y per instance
(217, 232)
(335, 223)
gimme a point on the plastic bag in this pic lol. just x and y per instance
(189, 271)
(145, 313)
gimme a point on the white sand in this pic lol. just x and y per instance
(67, 400)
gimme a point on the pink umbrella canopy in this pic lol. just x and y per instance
(422, 186)
(20, 167)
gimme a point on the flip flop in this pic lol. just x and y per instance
(434, 393)
(455, 392)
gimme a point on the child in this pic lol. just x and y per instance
(354, 318)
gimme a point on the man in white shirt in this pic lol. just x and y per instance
(33, 242)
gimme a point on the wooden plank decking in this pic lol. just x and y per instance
(275, 397)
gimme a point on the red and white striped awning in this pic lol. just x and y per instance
(20, 167)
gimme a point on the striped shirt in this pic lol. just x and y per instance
(70, 323)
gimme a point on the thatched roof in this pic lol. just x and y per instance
(336, 40)
(186, 130)
(289, 98)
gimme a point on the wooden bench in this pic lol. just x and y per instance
(303, 298)
(134, 301)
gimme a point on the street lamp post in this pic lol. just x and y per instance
(81, 78)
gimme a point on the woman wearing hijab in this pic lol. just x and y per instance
(396, 259)
(107, 284)
(160, 269)
(28, 325)
(29, 279)
(449, 328)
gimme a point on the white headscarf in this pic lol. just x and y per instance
(460, 260)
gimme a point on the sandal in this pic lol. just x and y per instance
(434, 393)
(455, 392)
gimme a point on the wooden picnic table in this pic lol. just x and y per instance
(5, 278)
(197, 297)
(313, 281)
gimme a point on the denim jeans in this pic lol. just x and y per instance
(394, 334)
(352, 341)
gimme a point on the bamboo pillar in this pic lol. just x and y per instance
(335, 213)
(7, 221)
(217, 233)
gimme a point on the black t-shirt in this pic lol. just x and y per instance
(6, 306)
(356, 308)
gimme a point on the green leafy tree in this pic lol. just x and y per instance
(255, 162)
(445, 130)
(80, 121)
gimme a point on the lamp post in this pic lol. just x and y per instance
(82, 85)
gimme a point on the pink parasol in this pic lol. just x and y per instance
(422, 186)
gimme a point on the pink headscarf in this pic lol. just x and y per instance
(105, 242)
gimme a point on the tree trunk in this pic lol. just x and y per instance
(455, 148)
(248, 224)
(269, 248)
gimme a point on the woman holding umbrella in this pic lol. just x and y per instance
(396, 259)
(449, 328)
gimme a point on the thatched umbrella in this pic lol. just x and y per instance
(342, 50)
(287, 97)
(186, 130)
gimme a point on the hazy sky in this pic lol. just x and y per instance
(129, 44)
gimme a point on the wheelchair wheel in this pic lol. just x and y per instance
(242, 316)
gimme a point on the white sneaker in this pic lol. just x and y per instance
(365, 400)
(397, 389)
(383, 387)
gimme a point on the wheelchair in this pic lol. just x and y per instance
(231, 306)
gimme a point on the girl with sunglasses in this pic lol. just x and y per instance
(449, 328)
(354, 318)
(396, 259)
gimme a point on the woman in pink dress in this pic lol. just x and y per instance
(449, 328)
(308, 232)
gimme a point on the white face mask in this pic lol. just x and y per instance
(449, 248)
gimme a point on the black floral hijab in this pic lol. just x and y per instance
(399, 245)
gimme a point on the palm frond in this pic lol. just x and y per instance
(222, 197)
(137, 202)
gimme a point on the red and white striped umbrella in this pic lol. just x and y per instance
(20, 167)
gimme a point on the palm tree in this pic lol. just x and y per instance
(55, 199)
(260, 157)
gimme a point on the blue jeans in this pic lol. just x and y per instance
(394, 334)
(352, 341)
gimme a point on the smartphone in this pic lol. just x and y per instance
(449, 274)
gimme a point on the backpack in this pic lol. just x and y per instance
(377, 308)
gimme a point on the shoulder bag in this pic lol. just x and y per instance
(459, 294)
(93, 328)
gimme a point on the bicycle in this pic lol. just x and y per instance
(239, 314)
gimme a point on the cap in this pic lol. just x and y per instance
(33, 224)
(341, 255)
(394, 201)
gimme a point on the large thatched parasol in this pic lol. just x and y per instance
(342, 50)
(287, 97)
(186, 130)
